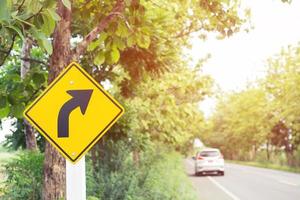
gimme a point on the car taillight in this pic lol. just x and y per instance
(199, 158)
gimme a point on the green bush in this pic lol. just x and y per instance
(24, 177)
(165, 178)
(297, 157)
(158, 176)
(261, 157)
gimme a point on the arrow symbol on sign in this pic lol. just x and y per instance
(80, 98)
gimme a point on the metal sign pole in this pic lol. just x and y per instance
(75, 180)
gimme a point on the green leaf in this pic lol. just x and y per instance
(33, 6)
(17, 110)
(47, 45)
(99, 59)
(48, 24)
(38, 79)
(42, 40)
(93, 45)
(122, 30)
(4, 10)
(53, 14)
(3, 102)
(67, 3)
(103, 37)
(120, 44)
(15, 28)
(4, 111)
(115, 55)
(130, 41)
(143, 41)
(23, 21)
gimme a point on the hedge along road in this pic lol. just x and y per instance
(246, 183)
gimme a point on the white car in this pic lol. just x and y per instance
(209, 160)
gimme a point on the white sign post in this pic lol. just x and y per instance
(75, 180)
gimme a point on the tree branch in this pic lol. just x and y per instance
(9, 50)
(104, 23)
(41, 9)
(3, 51)
(189, 30)
(42, 87)
(20, 6)
(34, 60)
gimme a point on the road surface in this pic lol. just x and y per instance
(246, 183)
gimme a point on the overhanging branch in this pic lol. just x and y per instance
(9, 50)
(104, 23)
(35, 60)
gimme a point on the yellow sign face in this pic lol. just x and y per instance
(74, 112)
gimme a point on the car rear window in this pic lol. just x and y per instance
(209, 153)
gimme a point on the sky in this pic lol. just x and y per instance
(6, 128)
(242, 58)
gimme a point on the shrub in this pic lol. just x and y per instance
(297, 157)
(158, 176)
(164, 178)
(24, 177)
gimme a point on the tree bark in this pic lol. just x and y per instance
(54, 185)
(25, 64)
(25, 67)
(268, 150)
(30, 138)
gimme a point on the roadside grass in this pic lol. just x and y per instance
(159, 176)
(266, 165)
(5, 157)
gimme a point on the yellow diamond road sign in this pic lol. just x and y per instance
(74, 112)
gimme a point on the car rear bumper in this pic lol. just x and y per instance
(209, 169)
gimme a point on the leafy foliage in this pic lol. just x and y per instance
(160, 175)
(20, 18)
(264, 116)
(283, 85)
(24, 177)
(242, 121)
(167, 108)
(16, 140)
(15, 93)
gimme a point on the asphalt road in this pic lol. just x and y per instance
(246, 183)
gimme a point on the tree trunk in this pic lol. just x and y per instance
(268, 150)
(25, 67)
(289, 154)
(25, 64)
(30, 138)
(54, 185)
(254, 152)
(290, 158)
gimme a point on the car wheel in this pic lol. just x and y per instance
(222, 173)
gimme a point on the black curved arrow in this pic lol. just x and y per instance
(80, 99)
